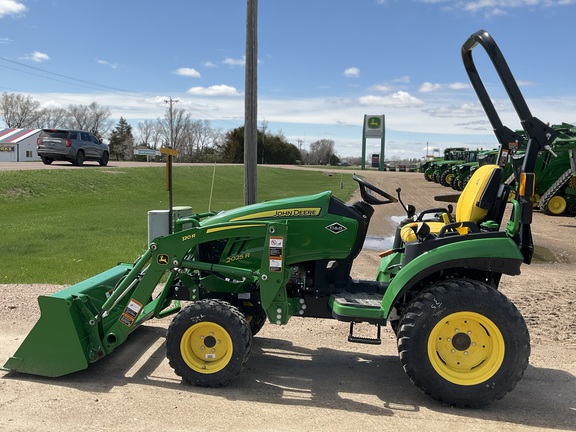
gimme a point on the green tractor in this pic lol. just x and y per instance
(442, 170)
(462, 173)
(460, 340)
(427, 167)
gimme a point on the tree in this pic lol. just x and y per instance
(92, 118)
(321, 152)
(272, 149)
(18, 111)
(122, 141)
(56, 118)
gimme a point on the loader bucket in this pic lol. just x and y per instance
(65, 338)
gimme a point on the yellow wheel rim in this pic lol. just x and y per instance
(466, 348)
(557, 205)
(449, 178)
(206, 347)
(572, 183)
(535, 200)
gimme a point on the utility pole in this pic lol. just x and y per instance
(169, 155)
(251, 105)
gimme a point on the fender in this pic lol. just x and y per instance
(500, 255)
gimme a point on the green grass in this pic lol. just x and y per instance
(63, 226)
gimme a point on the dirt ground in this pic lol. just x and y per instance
(305, 376)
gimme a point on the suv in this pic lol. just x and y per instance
(71, 145)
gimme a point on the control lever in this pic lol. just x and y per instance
(410, 210)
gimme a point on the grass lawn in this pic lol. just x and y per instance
(62, 226)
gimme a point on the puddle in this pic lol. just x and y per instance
(378, 243)
(545, 255)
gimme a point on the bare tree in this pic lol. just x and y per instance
(145, 132)
(56, 118)
(321, 151)
(92, 118)
(18, 110)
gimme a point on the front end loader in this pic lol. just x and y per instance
(460, 340)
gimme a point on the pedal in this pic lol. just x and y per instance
(363, 340)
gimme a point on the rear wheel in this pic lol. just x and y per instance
(208, 343)
(47, 161)
(463, 343)
(79, 160)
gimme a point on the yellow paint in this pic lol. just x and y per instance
(279, 213)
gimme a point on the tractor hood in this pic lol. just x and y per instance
(287, 208)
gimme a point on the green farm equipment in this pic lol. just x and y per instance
(450, 153)
(462, 173)
(555, 170)
(442, 170)
(460, 340)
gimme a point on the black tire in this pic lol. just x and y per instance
(47, 161)
(104, 160)
(254, 314)
(466, 180)
(427, 177)
(208, 343)
(463, 343)
(79, 160)
(446, 177)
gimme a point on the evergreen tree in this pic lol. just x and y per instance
(122, 141)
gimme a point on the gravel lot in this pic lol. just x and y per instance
(305, 376)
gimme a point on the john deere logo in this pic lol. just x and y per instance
(374, 122)
(336, 228)
(163, 259)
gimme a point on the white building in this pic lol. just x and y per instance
(18, 145)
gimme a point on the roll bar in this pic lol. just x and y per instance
(539, 134)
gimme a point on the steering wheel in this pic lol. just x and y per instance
(368, 197)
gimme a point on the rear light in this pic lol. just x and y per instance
(68, 143)
(37, 142)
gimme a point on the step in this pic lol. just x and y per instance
(359, 307)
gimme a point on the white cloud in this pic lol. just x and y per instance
(398, 99)
(215, 90)
(189, 72)
(11, 7)
(209, 64)
(496, 7)
(428, 87)
(235, 62)
(37, 56)
(352, 72)
(106, 63)
(5, 41)
(380, 88)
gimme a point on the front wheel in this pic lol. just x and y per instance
(104, 160)
(463, 343)
(208, 343)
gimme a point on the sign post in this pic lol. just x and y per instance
(170, 152)
(373, 128)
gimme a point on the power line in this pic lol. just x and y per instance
(61, 76)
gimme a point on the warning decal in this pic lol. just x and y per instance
(276, 248)
(131, 312)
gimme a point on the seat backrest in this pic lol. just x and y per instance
(479, 195)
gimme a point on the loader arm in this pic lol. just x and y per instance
(89, 320)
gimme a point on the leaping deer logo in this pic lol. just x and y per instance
(162, 259)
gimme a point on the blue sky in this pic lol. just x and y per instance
(323, 64)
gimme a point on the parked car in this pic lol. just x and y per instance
(71, 145)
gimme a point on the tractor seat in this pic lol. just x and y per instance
(483, 198)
